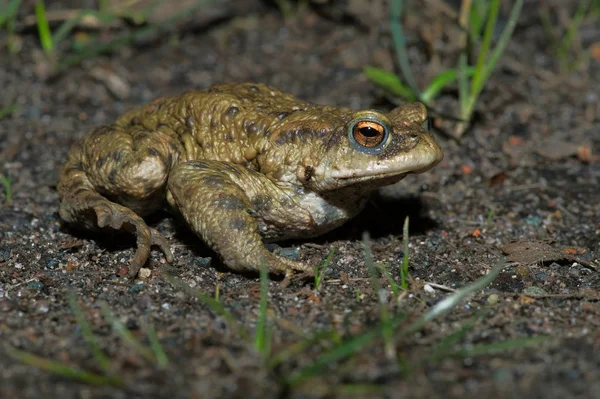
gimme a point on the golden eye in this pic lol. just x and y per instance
(369, 132)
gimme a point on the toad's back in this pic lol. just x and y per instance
(228, 122)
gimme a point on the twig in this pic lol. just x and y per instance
(439, 286)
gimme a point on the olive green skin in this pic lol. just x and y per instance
(243, 164)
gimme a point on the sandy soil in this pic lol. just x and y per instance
(521, 174)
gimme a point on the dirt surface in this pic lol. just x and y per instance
(522, 173)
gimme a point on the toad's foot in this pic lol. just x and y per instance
(94, 212)
(214, 199)
(120, 218)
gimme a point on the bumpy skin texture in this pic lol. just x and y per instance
(243, 164)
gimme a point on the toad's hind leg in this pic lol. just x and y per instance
(113, 176)
(215, 200)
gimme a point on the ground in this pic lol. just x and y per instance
(522, 173)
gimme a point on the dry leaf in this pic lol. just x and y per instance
(556, 150)
(530, 252)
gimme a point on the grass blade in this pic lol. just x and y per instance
(399, 40)
(384, 314)
(43, 27)
(213, 304)
(478, 76)
(66, 27)
(390, 82)
(4, 112)
(445, 345)
(404, 269)
(88, 335)
(9, 11)
(7, 183)
(566, 42)
(442, 80)
(320, 270)
(388, 276)
(355, 344)
(502, 42)
(96, 49)
(63, 369)
(159, 354)
(342, 351)
(262, 334)
(448, 303)
(301, 346)
(483, 70)
(125, 334)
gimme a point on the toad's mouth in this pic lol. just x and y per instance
(361, 175)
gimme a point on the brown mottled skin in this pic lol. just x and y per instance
(241, 163)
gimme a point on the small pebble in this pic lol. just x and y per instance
(42, 307)
(290, 253)
(136, 288)
(522, 271)
(493, 299)
(35, 285)
(144, 273)
(123, 271)
(203, 262)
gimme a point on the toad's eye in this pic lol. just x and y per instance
(369, 136)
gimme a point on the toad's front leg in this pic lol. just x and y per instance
(213, 198)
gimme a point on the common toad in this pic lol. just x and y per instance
(242, 163)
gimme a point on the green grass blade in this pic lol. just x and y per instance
(463, 84)
(320, 270)
(478, 76)
(340, 352)
(442, 80)
(390, 82)
(63, 369)
(477, 17)
(9, 11)
(502, 42)
(126, 335)
(567, 41)
(404, 269)
(66, 27)
(88, 335)
(448, 303)
(301, 346)
(399, 40)
(388, 276)
(102, 48)
(4, 112)
(43, 27)
(446, 344)
(357, 343)
(213, 304)
(384, 314)
(159, 354)
(7, 183)
(260, 342)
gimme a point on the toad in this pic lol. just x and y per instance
(243, 164)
